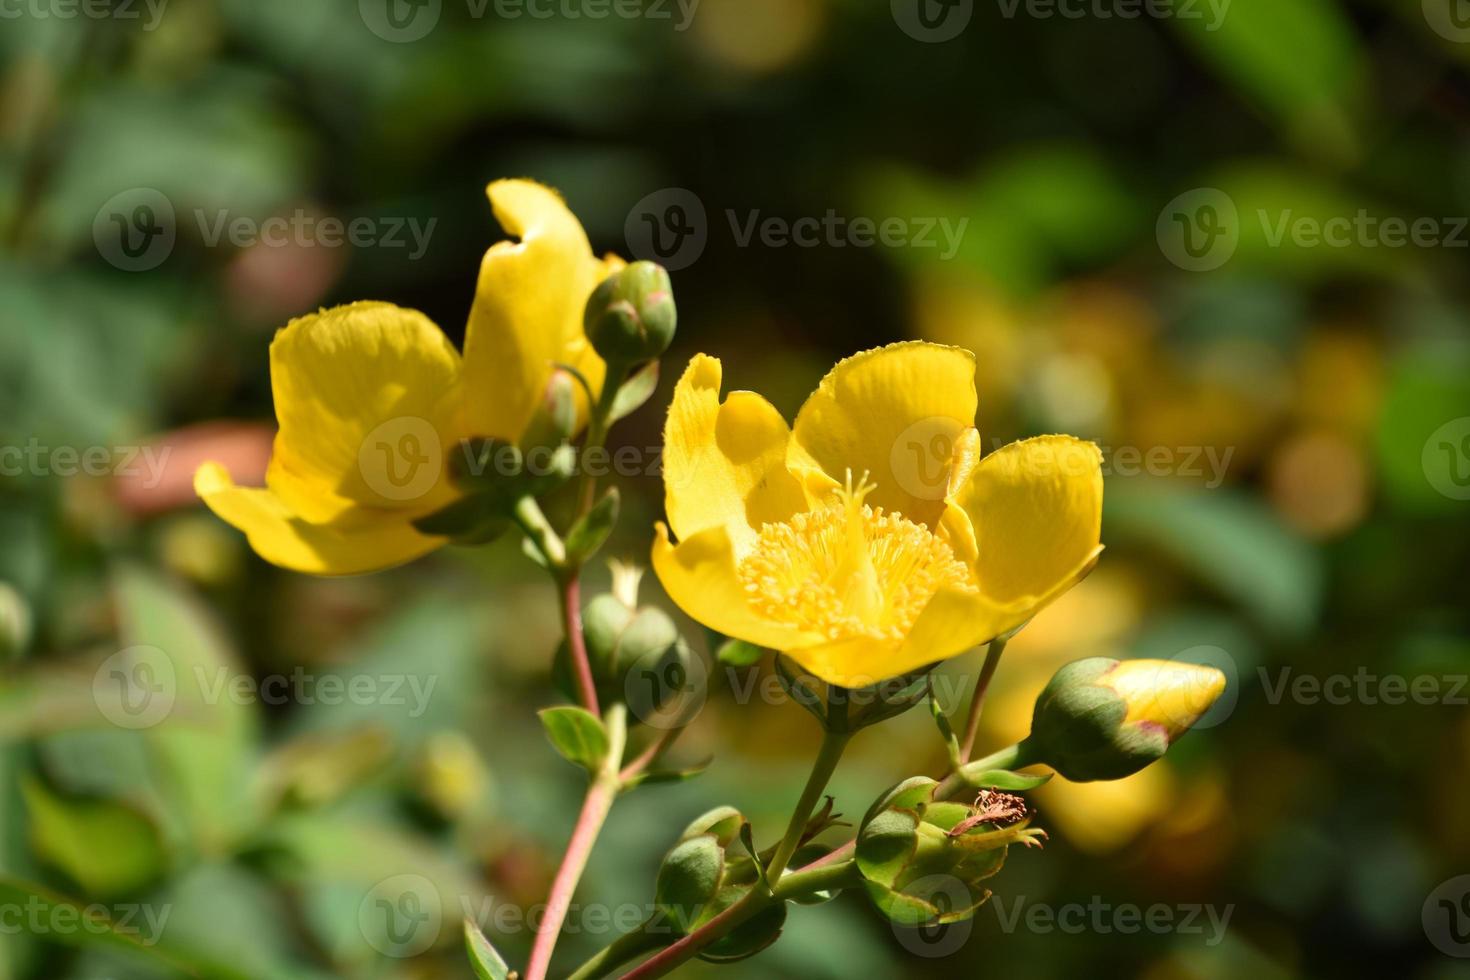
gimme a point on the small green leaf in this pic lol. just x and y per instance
(635, 391)
(590, 532)
(747, 840)
(738, 653)
(106, 847)
(1001, 779)
(578, 735)
(946, 731)
(484, 960)
(652, 776)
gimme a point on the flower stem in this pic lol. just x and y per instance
(1011, 757)
(599, 800)
(571, 611)
(977, 701)
(833, 744)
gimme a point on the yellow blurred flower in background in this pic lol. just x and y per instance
(870, 538)
(372, 398)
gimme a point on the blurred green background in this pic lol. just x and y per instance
(1286, 419)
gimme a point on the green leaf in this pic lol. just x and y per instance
(105, 847)
(484, 960)
(578, 735)
(1001, 779)
(635, 391)
(738, 653)
(591, 531)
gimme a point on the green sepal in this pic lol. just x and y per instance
(886, 845)
(578, 735)
(748, 938)
(1016, 782)
(799, 692)
(723, 821)
(484, 960)
(913, 793)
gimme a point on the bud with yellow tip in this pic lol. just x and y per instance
(1101, 718)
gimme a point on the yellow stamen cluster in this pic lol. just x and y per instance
(847, 570)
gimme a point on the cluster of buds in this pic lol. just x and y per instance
(912, 848)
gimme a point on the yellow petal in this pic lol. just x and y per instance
(282, 538)
(368, 401)
(856, 662)
(699, 576)
(898, 413)
(528, 308)
(725, 464)
(1036, 511)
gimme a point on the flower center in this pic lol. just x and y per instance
(847, 570)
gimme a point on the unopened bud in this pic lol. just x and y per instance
(1101, 718)
(631, 315)
(15, 623)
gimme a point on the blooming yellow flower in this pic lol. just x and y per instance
(870, 538)
(372, 398)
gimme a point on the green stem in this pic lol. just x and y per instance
(782, 887)
(533, 523)
(597, 426)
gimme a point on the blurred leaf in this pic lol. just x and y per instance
(739, 653)
(206, 745)
(1428, 388)
(591, 531)
(1298, 59)
(106, 848)
(1230, 542)
(484, 960)
(578, 735)
(652, 776)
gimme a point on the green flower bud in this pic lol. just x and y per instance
(631, 315)
(911, 848)
(623, 643)
(1101, 718)
(555, 418)
(15, 623)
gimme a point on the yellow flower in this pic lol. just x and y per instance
(372, 398)
(870, 538)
